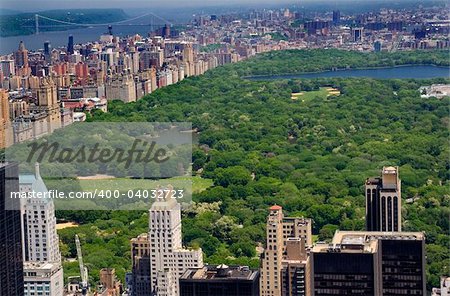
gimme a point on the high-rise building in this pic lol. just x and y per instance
(21, 61)
(221, 280)
(47, 50)
(188, 53)
(141, 275)
(284, 263)
(43, 278)
(295, 273)
(110, 285)
(81, 70)
(11, 263)
(169, 260)
(377, 46)
(121, 87)
(70, 47)
(297, 227)
(357, 34)
(166, 31)
(383, 201)
(6, 131)
(369, 263)
(39, 222)
(47, 98)
(8, 68)
(21, 56)
(273, 254)
(159, 258)
(336, 17)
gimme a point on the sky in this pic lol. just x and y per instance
(125, 4)
(39, 5)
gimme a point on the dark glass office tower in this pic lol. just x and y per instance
(220, 280)
(336, 17)
(403, 266)
(70, 48)
(369, 263)
(11, 264)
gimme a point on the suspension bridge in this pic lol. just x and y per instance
(149, 17)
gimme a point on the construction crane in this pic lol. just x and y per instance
(83, 269)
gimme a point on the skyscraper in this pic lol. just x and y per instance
(336, 17)
(41, 239)
(47, 50)
(273, 254)
(159, 258)
(166, 31)
(21, 56)
(383, 201)
(21, 60)
(11, 263)
(47, 47)
(284, 263)
(357, 34)
(369, 263)
(141, 275)
(70, 48)
(168, 257)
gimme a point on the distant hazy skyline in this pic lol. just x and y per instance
(175, 7)
(36, 5)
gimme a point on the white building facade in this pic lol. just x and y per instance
(43, 279)
(39, 222)
(169, 260)
(43, 272)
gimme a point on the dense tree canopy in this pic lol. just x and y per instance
(310, 156)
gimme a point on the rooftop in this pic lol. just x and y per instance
(363, 241)
(220, 272)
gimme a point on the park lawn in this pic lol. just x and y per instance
(323, 93)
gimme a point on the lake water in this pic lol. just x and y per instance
(413, 71)
(60, 38)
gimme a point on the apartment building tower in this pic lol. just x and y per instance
(159, 258)
(39, 222)
(284, 263)
(168, 259)
(383, 201)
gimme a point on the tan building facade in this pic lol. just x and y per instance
(285, 263)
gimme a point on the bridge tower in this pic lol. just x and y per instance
(36, 22)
